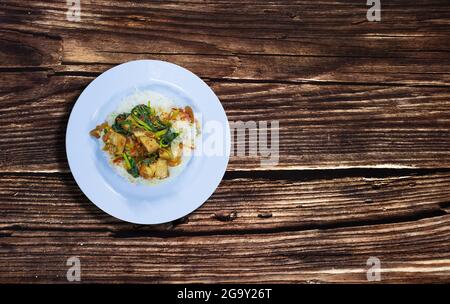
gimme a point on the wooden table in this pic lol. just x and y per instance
(364, 116)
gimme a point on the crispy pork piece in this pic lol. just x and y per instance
(147, 140)
(162, 170)
(98, 130)
(158, 169)
(147, 171)
(117, 141)
(150, 144)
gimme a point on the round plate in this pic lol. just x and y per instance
(114, 194)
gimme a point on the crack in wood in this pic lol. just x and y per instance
(321, 174)
(59, 71)
(264, 215)
(286, 174)
(146, 231)
(224, 216)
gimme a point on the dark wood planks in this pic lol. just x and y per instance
(321, 126)
(398, 71)
(295, 41)
(28, 50)
(412, 252)
(368, 122)
(49, 202)
(348, 93)
(254, 19)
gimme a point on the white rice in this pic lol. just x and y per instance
(187, 132)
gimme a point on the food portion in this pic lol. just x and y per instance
(147, 142)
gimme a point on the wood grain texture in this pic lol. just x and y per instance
(295, 41)
(410, 252)
(321, 126)
(49, 202)
(348, 94)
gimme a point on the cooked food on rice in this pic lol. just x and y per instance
(147, 141)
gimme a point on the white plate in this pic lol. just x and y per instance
(114, 194)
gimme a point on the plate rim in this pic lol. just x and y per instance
(227, 141)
